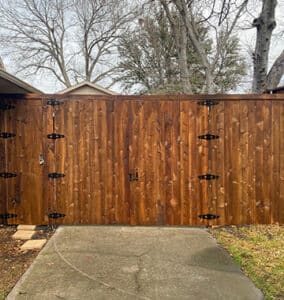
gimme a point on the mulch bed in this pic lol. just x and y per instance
(13, 261)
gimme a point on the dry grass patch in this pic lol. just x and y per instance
(259, 250)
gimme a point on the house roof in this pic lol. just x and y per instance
(87, 87)
(278, 90)
(10, 84)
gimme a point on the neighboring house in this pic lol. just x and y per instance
(87, 88)
(10, 84)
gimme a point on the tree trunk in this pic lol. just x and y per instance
(2, 66)
(264, 24)
(184, 71)
(276, 72)
(183, 10)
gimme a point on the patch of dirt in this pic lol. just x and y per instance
(13, 261)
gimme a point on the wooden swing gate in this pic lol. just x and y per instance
(142, 160)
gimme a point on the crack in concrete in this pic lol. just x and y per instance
(105, 284)
(137, 275)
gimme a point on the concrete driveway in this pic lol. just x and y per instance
(90, 262)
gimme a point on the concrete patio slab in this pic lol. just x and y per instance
(97, 262)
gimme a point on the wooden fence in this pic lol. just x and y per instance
(142, 160)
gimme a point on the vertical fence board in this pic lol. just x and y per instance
(267, 160)
(259, 171)
(219, 129)
(245, 213)
(275, 197)
(3, 159)
(216, 163)
(281, 198)
(201, 199)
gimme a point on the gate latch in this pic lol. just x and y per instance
(134, 176)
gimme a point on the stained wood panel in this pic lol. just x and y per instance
(24, 192)
(109, 140)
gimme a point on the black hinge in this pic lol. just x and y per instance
(208, 103)
(53, 102)
(8, 216)
(55, 136)
(134, 176)
(208, 217)
(208, 136)
(56, 215)
(208, 176)
(6, 135)
(6, 106)
(7, 175)
(55, 175)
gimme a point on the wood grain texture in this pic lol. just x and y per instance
(108, 140)
(24, 192)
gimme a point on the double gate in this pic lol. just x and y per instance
(141, 160)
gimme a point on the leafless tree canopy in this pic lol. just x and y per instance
(204, 57)
(71, 39)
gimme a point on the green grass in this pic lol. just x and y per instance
(3, 294)
(259, 250)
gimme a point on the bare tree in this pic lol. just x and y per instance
(72, 40)
(221, 20)
(159, 55)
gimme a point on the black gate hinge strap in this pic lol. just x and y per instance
(6, 106)
(55, 136)
(208, 217)
(208, 137)
(56, 215)
(55, 175)
(208, 176)
(53, 102)
(208, 102)
(7, 175)
(7, 216)
(6, 135)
